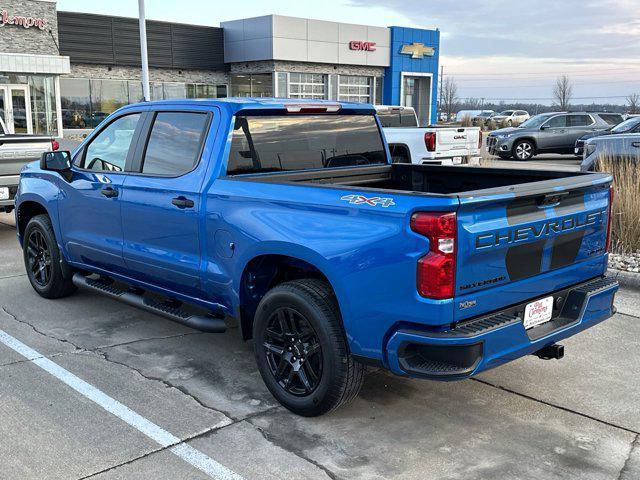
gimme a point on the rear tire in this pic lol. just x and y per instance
(297, 328)
(42, 259)
(523, 150)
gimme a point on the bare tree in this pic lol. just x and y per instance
(449, 95)
(563, 92)
(633, 100)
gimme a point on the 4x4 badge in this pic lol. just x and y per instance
(373, 201)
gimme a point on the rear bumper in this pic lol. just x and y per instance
(486, 342)
(10, 182)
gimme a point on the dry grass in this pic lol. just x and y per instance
(466, 121)
(625, 226)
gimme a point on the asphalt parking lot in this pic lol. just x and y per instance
(89, 359)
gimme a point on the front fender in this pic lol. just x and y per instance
(38, 188)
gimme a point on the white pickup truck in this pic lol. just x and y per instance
(434, 145)
(15, 151)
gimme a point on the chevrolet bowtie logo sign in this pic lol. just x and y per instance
(417, 50)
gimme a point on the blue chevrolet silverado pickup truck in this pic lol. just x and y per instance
(288, 219)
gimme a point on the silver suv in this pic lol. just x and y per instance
(554, 132)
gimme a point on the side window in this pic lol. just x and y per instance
(579, 121)
(108, 151)
(174, 144)
(611, 119)
(557, 122)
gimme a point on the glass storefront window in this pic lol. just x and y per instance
(353, 88)
(307, 85)
(75, 101)
(174, 90)
(85, 103)
(378, 91)
(135, 92)
(33, 98)
(252, 85)
(156, 91)
(43, 105)
(106, 97)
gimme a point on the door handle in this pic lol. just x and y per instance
(636, 144)
(182, 202)
(109, 192)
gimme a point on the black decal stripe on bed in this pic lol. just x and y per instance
(565, 248)
(524, 261)
(524, 210)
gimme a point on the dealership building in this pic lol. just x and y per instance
(61, 71)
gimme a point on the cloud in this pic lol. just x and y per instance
(564, 29)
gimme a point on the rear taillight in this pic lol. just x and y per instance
(607, 243)
(436, 274)
(54, 145)
(430, 141)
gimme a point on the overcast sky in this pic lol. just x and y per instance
(495, 49)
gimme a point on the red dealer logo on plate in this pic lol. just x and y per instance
(362, 46)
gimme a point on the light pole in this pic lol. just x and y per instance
(143, 52)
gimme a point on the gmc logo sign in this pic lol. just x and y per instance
(362, 46)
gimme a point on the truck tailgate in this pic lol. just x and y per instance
(514, 246)
(457, 140)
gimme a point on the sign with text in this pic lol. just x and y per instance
(362, 46)
(22, 21)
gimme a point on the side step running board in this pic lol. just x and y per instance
(204, 323)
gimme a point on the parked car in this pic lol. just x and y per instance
(631, 125)
(463, 115)
(612, 119)
(16, 150)
(482, 117)
(289, 216)
(437, 145)
(511, 117)
(554, 132)
(615, 147)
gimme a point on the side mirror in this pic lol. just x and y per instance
(543, 127)
(56, 161)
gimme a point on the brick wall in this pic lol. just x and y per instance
(155, 74)
(305, 67)
(17, 39)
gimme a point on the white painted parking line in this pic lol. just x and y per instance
(187, 453)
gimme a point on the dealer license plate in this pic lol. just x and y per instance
(538, 312)
(4, 193)
(457, 160)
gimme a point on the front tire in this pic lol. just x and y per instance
(42, 260)
(301, 350)
(523, 150)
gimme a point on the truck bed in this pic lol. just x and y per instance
(437, 180)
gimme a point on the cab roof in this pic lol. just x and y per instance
(236, 104)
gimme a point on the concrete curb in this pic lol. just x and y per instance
(629, 280)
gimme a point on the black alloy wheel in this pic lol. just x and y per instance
(301, 349)
(294, 354)
(47, 270)
(39, 258)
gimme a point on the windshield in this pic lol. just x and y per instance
(535, 121)
(627, 125)
(300, 142)
(486, 114)
(507, 113)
